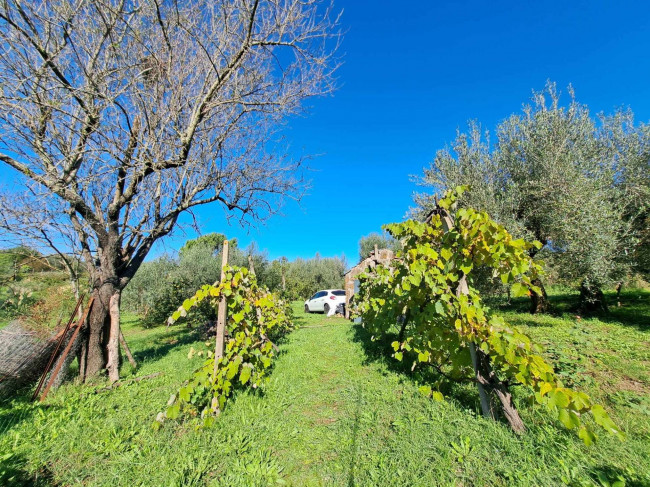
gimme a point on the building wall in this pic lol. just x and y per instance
(384, 257)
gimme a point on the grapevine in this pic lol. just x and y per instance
(256, 317)
(439, 326)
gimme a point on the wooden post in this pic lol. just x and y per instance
(66, 351)
(481, 380)
(376, 252)
(127, 351)
(283, 263)
(221, 313)
(58, 346)
(486, 380)
(251, 265)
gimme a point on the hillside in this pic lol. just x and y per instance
(39, 299)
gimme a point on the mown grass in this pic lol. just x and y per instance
(335, 412)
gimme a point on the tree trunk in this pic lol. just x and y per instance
(67, 362)
(482, 381)
(96, 355)
(83, 353)
(592, 299)
(539, 303)
(489, 386)
(113, 345)
(508, 408)
(405, 320)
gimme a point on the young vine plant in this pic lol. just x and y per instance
(256, 318)
(418, 294)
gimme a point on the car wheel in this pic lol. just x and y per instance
(306, 309)
(326, 308)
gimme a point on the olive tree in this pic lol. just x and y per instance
(553, 174)
(368, 242)
(119, 117)
(300, 278)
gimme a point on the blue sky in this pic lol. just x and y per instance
(415, 72)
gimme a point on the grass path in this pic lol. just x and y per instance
(331, 415)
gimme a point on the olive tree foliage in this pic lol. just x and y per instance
(633, 185)
(118, 117)
(301, 278)
(560, 176)
(212, 241)
(160, 285)
(368, 242)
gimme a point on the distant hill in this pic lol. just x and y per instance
(34, 288)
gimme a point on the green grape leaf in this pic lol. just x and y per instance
(519, 290)
(245, 374)
(173, 411)
(425, 390)
(586, 435)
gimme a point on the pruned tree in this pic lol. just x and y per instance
(119, 117)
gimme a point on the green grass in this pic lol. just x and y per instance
(337, 413)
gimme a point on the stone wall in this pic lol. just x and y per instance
(382, 256)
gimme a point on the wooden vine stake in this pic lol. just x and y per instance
(67, 349)
(221, 313)
(127, 351)
(487, 381)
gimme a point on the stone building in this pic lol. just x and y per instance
(383, 256)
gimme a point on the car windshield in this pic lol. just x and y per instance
(338, 293)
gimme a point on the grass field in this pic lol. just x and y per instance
(338, 413)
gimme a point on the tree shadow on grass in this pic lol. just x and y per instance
(355, 436)
(166, 344)
(15, 411)
(464, 396)
(634, 309)
(381, 350)
(609, 475)
(299, 320)
(12, 472)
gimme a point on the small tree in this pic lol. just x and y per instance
(429, 292)
(212, 242)
(381, 240)
(120, 118)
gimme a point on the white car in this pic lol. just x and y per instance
(326, 301)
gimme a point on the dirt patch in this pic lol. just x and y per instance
(325, 421)
(330, 408)
(629, 384)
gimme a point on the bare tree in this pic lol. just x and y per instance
(120, 116)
